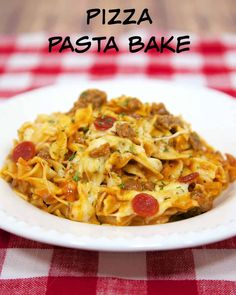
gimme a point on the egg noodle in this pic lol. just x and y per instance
(117, 162)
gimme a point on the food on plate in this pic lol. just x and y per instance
(117, 162)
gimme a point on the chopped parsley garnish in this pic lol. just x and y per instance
(84, 94)
(73, 120)
(166, 149)
(51, 121)
(85, 129)
(109, 120)
(162, 185)
(76, 177)
(71, 158)
(180, 188)
(122, 185)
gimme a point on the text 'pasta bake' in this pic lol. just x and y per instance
(117, 162)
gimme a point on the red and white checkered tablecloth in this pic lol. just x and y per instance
(28, 267)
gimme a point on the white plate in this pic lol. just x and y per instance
(211, 113)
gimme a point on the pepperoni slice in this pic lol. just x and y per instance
(69, 189)
(188, 178)
(145, 205)
(25, 150)
(104, 122)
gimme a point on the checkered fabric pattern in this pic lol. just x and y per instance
(25, 63)
(28, 267)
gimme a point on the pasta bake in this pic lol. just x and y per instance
(116, 162)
